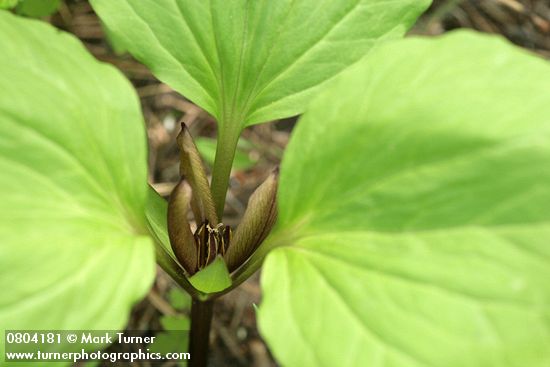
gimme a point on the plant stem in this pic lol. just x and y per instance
(199, 335)
(228, 137)
(201, 310)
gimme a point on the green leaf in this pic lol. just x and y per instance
(207, 148)
(156, 213)
(116, 45)
(414, 199)
(179, 299)
(175, 338)
(73, 185)
(247, 62)
(213, 278)
(170, 342)
(175, 323)
(8, 4)
(37, 8)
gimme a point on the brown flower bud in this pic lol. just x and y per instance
(179, 232)
(192, 169)
(258, 219)
(197, 250)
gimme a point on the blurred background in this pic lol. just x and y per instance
(235, 340)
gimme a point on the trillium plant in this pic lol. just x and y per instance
(407, 226)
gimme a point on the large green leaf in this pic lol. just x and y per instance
(247, 61)
(73, 185)
(414, 201)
